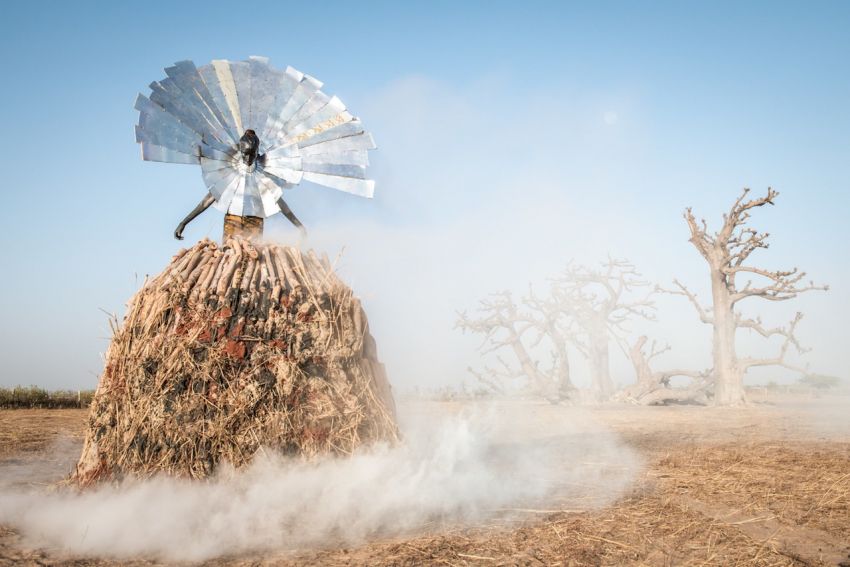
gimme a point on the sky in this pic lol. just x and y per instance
(513, 137)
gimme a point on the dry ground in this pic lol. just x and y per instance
(763, 485)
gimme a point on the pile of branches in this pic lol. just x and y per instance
(232, 350)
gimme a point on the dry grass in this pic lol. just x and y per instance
(721, 488)
(800, 485)
(28, 431)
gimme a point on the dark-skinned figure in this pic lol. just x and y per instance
(255, 131)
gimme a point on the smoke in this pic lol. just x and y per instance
(477, 195)
(454, 466)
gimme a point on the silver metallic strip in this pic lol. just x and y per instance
(360, 187)
(270, 192)
(212, 135)
(265, 84)
(289, 81)
(151, 152)
(211, 82)
(187, 81)
(354, 171)
(359, 142)
(359, 157)
(253, 206)
(341, 131)
(228, 89)
(163, 129)
(227, 192)
(305, 89)
(241, 73)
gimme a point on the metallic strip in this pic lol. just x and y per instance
(361, 187)
(241, 73)
(290, 80)
(181, 95)
(188, 78)
(362, 141)
(283, 151)
(253, 204)
(342, 131)
(270, 192)
(228, 89)
(311, 106)
(162, 128)
(288, 174)
(175, 102)
(359, 157)
(227, 192)
(265, 84)
(237, 201)
(354, 171)
(305, 89)
(285, 161)
(157, 138)
(151, 152)
(210, 79)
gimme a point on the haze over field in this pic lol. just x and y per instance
(508, 144)
(454, 467)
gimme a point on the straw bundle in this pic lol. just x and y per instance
(231, 350)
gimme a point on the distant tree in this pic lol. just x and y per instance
(600, 302)
(507, 326)
(820, 381)
(584, 308)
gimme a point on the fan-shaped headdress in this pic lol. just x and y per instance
(205, 116)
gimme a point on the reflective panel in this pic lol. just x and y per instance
(197, 116)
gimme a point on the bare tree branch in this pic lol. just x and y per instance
(726, 253)
(701, 311)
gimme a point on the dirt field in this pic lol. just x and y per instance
(764, 485)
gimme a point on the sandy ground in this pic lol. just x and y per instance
(764, 485)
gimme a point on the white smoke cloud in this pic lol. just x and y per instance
(461, 467)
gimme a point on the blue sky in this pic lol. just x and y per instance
(543, 131)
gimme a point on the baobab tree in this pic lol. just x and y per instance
(519, 329)
(600, 302)
(654, 386)
(726, 252)
(583, 309)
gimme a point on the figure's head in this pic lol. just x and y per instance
(249, 146)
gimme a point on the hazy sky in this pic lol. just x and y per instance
(512, 137)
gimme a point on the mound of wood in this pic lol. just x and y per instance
(235, 349)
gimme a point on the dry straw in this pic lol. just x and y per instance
(231, 350)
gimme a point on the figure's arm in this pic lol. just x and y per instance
(202, 206)
(287, 212)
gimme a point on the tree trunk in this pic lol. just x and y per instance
(728, 379)
(529, 368)
(654, 387)
(641, 365)
(562, 370)
(602, 383)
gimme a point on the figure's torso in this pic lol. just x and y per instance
(245, 226)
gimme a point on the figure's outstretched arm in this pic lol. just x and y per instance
(287, 212)
(202, 206)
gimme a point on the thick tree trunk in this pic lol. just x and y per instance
(726, 252)
(654, 387)
(728, 379)
(600, 372)
(562, 371)
(641, 365)
(529, 368)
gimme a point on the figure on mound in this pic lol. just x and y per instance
(255, 131)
